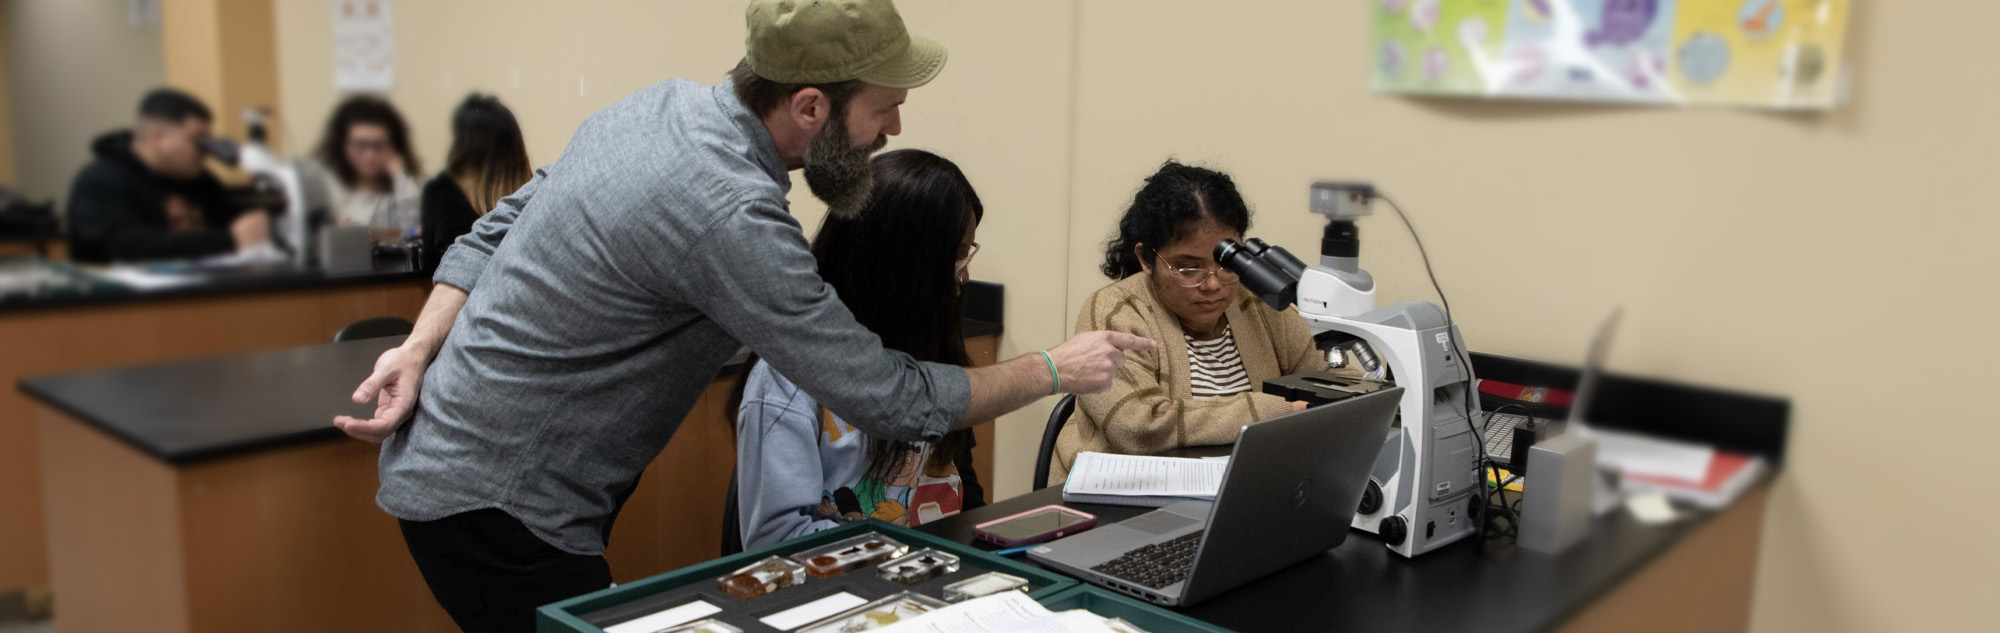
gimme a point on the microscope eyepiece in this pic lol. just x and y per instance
(1282, 258)
(1262, 270)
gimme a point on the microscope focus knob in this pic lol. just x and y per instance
(1371, 498)
(1393, 531)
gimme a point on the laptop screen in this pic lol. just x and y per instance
(1593, 367)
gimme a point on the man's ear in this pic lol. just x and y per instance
(808, 109)
(144, 130)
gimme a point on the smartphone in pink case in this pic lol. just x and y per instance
(1046, 523)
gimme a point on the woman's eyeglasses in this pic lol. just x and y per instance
(1195, 276)
(360, 145)
(965, 261)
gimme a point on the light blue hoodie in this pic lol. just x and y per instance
(800, 469)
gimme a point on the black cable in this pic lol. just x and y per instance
(1471, 381)
(1513, 467)
(1420, 253)
(1514, 470)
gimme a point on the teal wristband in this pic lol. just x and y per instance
(1055, 379)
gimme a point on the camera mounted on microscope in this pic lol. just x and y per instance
(1342, 201)
(1273, 274)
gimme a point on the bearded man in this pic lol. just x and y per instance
(589, 310)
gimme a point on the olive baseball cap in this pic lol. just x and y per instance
(829, 41)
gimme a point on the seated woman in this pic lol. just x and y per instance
(487, 161)
(1218, 343)
(900, 266)
(367, 168)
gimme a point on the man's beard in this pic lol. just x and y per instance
(839, 173)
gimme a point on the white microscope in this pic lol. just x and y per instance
(281, 179)
(284, 187)
(1425, 491)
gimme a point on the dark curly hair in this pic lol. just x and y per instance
(363, 110)
(1169, 207)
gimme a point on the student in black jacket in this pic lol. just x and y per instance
(488, 160)
(146, 195)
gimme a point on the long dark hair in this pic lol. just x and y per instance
(359, 110)
(488, 158)
(895, 266)
(1170, 206)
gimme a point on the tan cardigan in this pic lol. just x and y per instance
(1150, 409)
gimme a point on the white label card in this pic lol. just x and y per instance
(662, 619)
(811, 612)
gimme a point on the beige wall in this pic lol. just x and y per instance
(6, 101)
(225, 53)
(76, 69)
(530, 54)
(1751, 250)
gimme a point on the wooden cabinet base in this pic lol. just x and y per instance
(88, 337)
(1703, 584)
(284, 540)
(290, 539)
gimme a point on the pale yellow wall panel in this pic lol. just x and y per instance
(75, 69)
(6, 103)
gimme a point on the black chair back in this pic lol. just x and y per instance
(732, 531)
(1057, 419)
(377, 327)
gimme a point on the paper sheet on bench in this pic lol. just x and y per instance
(1642, 455)
(1133, 475)
(1010, 611)
(140, 279)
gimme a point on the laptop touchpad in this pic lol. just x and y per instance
(1158, 522)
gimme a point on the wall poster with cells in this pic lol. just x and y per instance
(1784, 54)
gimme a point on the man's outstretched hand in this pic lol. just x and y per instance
(1088, 362)
(398, 377)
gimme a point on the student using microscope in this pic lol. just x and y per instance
(147, 195)
(1217, 342)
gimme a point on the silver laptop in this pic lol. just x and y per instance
(1289, 492)
(1499, 435)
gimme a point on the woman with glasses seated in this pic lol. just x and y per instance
(900, 265)
(365, 163)
(1217, 342)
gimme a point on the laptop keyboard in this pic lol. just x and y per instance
(1155, 566)
(1500, 434)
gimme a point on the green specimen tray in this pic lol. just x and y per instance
(589, 613)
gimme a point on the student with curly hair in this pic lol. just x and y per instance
(368, 168)
(1217, 342)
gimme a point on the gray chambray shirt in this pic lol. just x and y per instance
(605, 296)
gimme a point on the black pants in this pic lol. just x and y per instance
(490, 573)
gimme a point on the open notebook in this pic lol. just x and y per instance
(1133, 480)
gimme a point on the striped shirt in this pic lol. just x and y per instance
(1214, 367)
